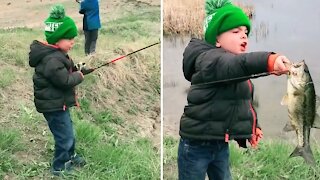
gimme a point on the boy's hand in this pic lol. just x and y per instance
(280, 65)
(86, 71)
(256, 138)
(82, 67)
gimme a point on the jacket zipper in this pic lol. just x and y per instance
(226, 135)
(75, 94)
(254, 123)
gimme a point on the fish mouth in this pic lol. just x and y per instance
(292, 73)
(289, 65)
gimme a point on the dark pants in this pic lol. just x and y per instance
(198, 158)
(61, 127)
(90, 37)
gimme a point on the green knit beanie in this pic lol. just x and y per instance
(222, 16)
(59, 26)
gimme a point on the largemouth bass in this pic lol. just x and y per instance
(301, 102)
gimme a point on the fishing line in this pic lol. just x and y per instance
(252, 76)
(89, 70)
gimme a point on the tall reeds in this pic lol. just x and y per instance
(185, 17)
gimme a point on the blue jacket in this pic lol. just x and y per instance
(91, 18)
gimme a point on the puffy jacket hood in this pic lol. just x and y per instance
(192, 51)
(38, 51)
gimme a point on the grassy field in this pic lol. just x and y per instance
(118, 124)
(269, 161)
(186, 17)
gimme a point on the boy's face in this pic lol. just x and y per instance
(65, 44)
(234, 40)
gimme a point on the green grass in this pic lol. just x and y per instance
(170, 151)
(10, 140)
(107, 117)
(15, 47)
(7, 77)
(107, 156)
(9, 144)
(135, 160)
(87, 133)
(28, 115)
(8, 164)
(134, 25)
(270, 161)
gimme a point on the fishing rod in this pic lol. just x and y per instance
(252, 76)
(117, 59)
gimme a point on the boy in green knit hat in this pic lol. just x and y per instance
(59, 26)
(54, 81)
(218, 113)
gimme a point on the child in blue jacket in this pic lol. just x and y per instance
(91, 24)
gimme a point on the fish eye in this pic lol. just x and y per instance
(297, 65)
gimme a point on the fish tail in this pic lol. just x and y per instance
(304, 152)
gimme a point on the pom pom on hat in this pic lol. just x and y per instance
(222, 16)
(213, 5)
(59, 26)
(57, 12)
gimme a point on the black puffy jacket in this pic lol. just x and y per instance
(222, 110)
(54, 80)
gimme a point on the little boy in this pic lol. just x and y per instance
(217, 113)
(54, 82)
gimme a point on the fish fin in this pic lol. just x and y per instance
(288, 127)
(284, 100)
(304, 152)
(316, 122)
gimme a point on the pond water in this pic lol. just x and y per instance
(289, 27)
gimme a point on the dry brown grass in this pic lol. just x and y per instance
(126, 86)
(186, 17)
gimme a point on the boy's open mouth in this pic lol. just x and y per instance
(244, 44)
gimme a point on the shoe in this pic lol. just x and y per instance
(77, 160)
(66, 171)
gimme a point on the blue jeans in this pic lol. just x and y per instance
(61, 127)
(198, 158)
